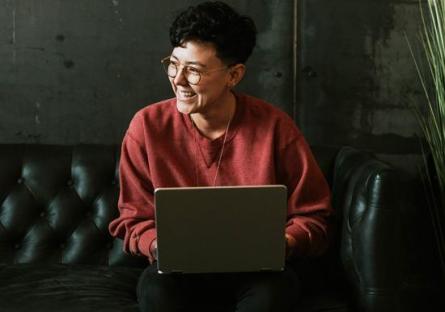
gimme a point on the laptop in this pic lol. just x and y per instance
(221, 229)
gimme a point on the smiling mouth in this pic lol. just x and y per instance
(185, 94)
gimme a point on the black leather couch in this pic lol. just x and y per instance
(56, 253)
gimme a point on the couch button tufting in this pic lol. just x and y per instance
(20, 180)
(70, 182)
(17, 246)
(43, 214)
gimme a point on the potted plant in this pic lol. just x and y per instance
(431, 116)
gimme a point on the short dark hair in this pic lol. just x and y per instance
(232, 34)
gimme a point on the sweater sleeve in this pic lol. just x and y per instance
(136, 222)
(308, 198)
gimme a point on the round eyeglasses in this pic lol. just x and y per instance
(192, 74)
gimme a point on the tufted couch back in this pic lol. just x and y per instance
(56, 203)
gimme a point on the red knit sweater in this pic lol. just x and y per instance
(263, 146)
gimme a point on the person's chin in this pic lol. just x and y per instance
(185, 107)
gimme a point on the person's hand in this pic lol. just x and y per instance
(290, 245)
(154, 249)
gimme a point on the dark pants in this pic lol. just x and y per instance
(242, 292)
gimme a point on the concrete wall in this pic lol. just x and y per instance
(76, 71)
(356, 76)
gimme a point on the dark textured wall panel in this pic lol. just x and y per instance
(77, 71)
(356, 76)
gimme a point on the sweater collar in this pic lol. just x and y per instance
(209, 149)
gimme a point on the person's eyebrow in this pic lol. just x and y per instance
(190, 62)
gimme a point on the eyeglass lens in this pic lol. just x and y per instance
(172, 70)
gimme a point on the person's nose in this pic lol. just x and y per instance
(180, 78)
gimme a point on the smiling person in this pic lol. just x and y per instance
(209, 135)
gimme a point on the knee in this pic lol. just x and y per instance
(276, 289)
(272, 292)
(283, 284)
(153, 289)
(148, 284)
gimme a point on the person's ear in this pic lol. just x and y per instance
(236, 73)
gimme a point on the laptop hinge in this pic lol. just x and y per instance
(266, 270)
(170, 272)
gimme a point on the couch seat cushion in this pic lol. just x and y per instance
(89, 288)
(84, 288)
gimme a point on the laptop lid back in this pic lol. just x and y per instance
(221, 229)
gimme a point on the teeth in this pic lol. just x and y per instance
(187, 93)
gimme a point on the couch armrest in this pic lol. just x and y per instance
(367, 198)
